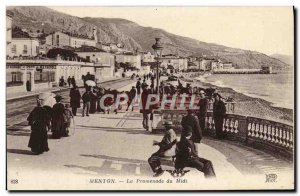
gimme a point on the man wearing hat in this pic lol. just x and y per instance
(58, 118)
(131, 97)
(219, 111)
(203, 103)
(166, 149)
(191, 121)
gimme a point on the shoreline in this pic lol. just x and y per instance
(251, 106)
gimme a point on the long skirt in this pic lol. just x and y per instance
(38, 141)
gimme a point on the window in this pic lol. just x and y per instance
(14, 49)
(88, 59)
(37, 50)
(14, 79)
(57, 40)
(25, 49)
(44, 76)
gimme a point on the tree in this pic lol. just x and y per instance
(64, 53)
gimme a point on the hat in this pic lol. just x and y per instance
(58, 97)
(45, 95)
(168, 123)
(202, 92)
(133, 87)
(217, 94)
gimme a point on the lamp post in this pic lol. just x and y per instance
(158, 48)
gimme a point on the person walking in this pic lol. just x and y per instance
(61, 81)
(138, 86)
(69, 116)
(167, 148)
(145, 110)
(39, 120)
(100, 93)
(73, 82)
(131, 98)
(93, 102)
(203, 103)
(219, 111)
(75, 99)
(191, 121)
(58, 118)
(86, 99)
(69, 81)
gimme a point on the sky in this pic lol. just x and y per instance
(264, 29)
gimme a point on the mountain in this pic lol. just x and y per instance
(284, 58)
(134, 36)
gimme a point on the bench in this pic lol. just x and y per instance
(169, 161)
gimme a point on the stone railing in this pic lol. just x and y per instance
(255, 132)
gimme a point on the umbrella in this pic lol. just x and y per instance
(48, 98)
(90, 83)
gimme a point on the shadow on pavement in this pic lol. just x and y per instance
(20, 151)
(246, 159)
(116, 166)
(114, 129)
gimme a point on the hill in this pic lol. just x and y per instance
(134, 36)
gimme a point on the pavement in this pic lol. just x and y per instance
(110, 152)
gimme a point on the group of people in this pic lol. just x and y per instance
(70, 81)
(45, 117)
(184, 151)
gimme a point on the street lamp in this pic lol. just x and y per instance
(158, 48)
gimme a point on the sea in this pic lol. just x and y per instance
(276, 88)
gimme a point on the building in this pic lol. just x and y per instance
(103, 46)
(177, 62)
(103, 61)
(228, 65)
(60, 39)
(206, 64)
(134, 59)
(41, 74)
(147, 57)
(266, 69)
(9, 19)
(23, 47)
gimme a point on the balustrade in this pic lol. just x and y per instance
(275, 134)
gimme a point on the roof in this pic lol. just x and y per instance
(86, 48)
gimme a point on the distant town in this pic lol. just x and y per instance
(41, 59)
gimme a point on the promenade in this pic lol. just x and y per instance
(115, 147)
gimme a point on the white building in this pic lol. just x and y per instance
(9, 19)
(134, 60)
(60, 39)
(104, 62)
(25, 47)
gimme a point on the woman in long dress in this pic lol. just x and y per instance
(58, 119)
(39, 120)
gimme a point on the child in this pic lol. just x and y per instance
(69, 115)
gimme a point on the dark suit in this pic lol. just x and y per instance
(219, 111)
(202, 112)
(192, 121)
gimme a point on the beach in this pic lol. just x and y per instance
(251, 106)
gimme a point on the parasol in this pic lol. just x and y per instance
(90, 83)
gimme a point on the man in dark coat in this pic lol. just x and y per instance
(61, 81)
(166, 149)
(219, 111)
(58, 118)
(138, 86)
(191, 121)
(203, 103)
(145, 110)
(131, 97)
(86, 99)
(75, 99)
(39, 119)
(186, 156)
(93, 103)
(69, 81)
(100, 93)
(73, 82)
